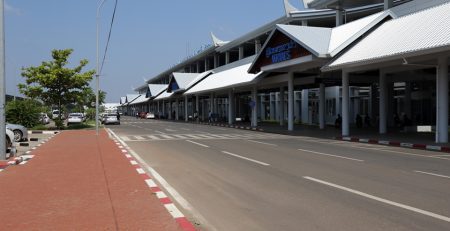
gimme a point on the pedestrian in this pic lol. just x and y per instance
(358, 121)
(118, 116)
(195, 115)
(338, 121)
(137, 115)
(367, 121)
(210, 116)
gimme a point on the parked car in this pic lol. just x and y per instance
(142, 115)
(150, 115)
(10, 144)
(75, 118)
(55, 114)
(20, 132)
(111, 119)
(43, 117)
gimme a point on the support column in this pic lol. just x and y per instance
(383, 104)
(186, 108)
(262, 107)
(230, 108)
(281, 107)
(407, 99)
(442, 101)
(158, 110)
(322, 106)
(177, 107)
(198, 68)
(170, 110)
(257, 46)
(291, 102)
(345, 103)
(254, 122)
(163, 108)
(227, 57)
(304, 23)
(206, 64)
(305, 106)
(241, 52)
(197, 107)
(388, 4)
(216, 61)
(339, 17)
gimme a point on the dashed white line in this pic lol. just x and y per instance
(199, 144)
(407, 207)
(331, 155)
(433, 174)
(259, 142)
(245, 158)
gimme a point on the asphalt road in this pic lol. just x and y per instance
(230, 179)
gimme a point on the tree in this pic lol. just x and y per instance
(53, 82)
(24, 112)
(87, 97)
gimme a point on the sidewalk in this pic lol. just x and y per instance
(78, 181)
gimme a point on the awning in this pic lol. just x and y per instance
(234, 77)
(420, 33)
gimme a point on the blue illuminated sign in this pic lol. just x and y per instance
(280, 53)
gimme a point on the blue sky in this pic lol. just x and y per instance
(148, 35)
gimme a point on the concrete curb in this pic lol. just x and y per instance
(436, 148)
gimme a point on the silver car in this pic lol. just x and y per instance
(111, 119)
(20, 132)
(10, 144)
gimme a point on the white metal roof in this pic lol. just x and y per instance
(139, 99)
(402, 37)
(122, 100)
(182, 79)
(156, 89)
(163, 95)
(233, 77)
(130, 97)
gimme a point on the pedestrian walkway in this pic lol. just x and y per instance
(201, 136)
(79, 181)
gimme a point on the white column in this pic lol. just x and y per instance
(442, 101)
(408, 112)
(383, 104)
(216, 61)
(186, 108)
(198, 67)
(281, 107)
(158, 109)
(257, 46)
(227, 57)
(339, 18)
(163, 108)
(388, 4)
(197, 107)
(206, 64)
(305, 106)
(230, 108)
(211, 102)
(241, 52)
(254, 122)
(345, 103)
(262, 108)
(322, 106)
(291, 102)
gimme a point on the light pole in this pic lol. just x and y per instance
(2, 85)
(97, 74)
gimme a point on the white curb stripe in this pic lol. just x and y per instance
(432, 147)
(133, 162)
(364, 140)
(128, 155)
(346, 138)
(151, 183)
(406, 145)
(173, 211)
(161, 195)
(407, 207)
(383, 142)
(140, 171)
(124, 151)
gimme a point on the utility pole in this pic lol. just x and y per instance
(97, 75)
(2, 84)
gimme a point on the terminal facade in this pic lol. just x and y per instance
(382, 62)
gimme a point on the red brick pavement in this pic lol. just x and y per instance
(78, 181)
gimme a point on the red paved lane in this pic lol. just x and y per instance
(78, 181)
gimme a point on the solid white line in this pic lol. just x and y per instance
(254, 141)
(325, 154)
(433, 174)
(173, 211)
(407, 207)
(199, 144)
(245, 158)
(124, 138)
(151, 183)
(140, 171)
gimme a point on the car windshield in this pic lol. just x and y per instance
(112, 115)
(75, 114)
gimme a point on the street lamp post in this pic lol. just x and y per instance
(2, 85)
(97, 75)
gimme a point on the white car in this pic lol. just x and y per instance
(111, 119)
(150, 115)
(43, 117)
(10, 144)
(75, 118)
(20, 132)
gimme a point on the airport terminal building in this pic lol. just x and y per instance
(379, 63)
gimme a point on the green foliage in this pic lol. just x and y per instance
(24, 112)
(90, 113)
(54, 83)
(87, 97)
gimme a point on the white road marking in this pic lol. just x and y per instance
(133, 162)
(325, 154)
(259, 142)
(124, 138)
(245, 158)
(405, 153)
(139, 137)
(440, 155)
(186, 129)
(151, 183)
(166, 137)
(199, 144)
(153, 137)
(140, 171)
(433, 174)
(159, 132)
(407, 207)
(161, 194)
(173, 211)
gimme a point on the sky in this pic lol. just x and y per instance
(148, 36)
